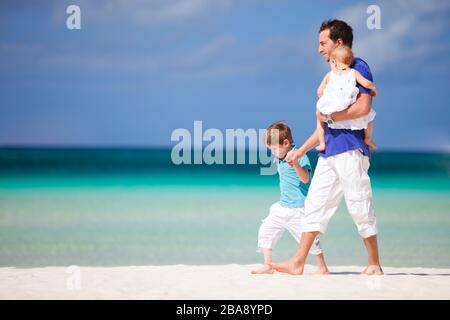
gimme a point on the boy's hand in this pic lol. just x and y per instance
(294, 155)
(290, 157)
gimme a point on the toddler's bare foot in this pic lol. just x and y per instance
(321, 147)
(322, 271)
(265, 269)
(373, 270)
(370, 143)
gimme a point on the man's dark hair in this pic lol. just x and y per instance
(338, 30)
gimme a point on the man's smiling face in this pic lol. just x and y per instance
(326, 44)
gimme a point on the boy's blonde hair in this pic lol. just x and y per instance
(277, 133)
(342, 54)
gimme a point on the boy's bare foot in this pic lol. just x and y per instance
(265, 269)
(322, 271)
(288, 266)
(373, 270)
(321, 147)
(370, 143)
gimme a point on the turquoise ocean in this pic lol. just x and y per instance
(121, 207)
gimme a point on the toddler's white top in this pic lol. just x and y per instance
(339, 93)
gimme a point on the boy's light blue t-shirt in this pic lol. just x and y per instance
(292, 190)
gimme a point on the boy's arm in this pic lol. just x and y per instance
(302, 173)
(365, 83)
(322, 85)
(309, 143)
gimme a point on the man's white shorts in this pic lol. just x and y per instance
(345, 175)
(279, 219)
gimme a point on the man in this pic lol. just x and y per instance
(342, 169)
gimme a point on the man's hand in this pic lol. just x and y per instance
(294, 155)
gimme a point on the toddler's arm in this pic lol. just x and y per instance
(322, 85)
(366, 83)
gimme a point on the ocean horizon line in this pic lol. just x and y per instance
(165, 148)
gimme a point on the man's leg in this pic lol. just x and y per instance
(294, 226)
(321, 203)
(296, 264)
(352, 167)
(321, 265)
(373, 263)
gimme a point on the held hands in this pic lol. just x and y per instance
(293, 155)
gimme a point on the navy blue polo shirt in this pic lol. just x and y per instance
(343, 140)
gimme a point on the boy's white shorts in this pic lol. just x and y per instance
(345, 175)
(279, 219)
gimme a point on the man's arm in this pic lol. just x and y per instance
(360, 108)
(310, 143)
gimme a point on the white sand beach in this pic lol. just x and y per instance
(219, 282)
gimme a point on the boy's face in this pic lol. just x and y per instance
(280, 150)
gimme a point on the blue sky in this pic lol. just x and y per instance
(137, 70)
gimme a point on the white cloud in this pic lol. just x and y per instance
(410, 30)
(226, 56)
(220, 56)
(167, 52)
(207, 52)
(149, 11)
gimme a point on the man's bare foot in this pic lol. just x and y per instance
(290, 266)
(373, 270)
(370, 143)
(322, 271)
(321, 147)
(265, 269)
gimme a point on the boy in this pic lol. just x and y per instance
(286, 213)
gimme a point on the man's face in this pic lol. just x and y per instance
(326, 45)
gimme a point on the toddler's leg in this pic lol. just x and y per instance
(321, 134)
(368, 136)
